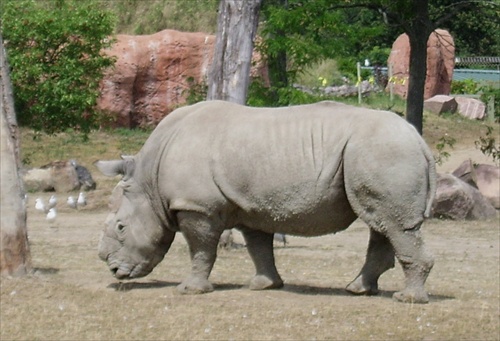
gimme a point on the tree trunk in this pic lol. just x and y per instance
(230, 70)
(15, 258)
(416, 84)
(418, 33)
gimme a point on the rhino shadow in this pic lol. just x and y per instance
(128, 286)
(324, 291)
(293, 288)
(45, 271)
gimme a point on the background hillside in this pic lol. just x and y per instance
(150, 16)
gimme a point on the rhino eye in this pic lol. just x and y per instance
(120, 227)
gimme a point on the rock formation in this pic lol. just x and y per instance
(486, 178)
(441, 103)
(440, 64)
(153, 73)
(58, 176)
(458, 200)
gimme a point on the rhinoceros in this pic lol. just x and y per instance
(305, 170)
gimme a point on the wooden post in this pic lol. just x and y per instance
(358, 65)
(391, 84)
(491, 109)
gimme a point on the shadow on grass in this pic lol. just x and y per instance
(293, 288)
(127, 286)
(45, 271)
(312, 290)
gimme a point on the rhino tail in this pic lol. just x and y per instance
(431, 164)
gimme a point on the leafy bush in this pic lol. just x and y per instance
(467, 86)
(490, 91)
(54, 51)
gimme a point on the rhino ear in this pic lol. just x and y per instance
(111, 168)
(125, 167)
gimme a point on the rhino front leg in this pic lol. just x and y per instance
(202, 238)
(260, 248)
(379, 258)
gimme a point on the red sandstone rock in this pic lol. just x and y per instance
(471, 108)
(440, 64)
(441, 103)
(153, 73)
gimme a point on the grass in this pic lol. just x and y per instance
(148, 17)
(40, 149)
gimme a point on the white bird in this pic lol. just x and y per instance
(39, 205)
(51, 215)
(71, 202)
(52, 201)
(82, 201)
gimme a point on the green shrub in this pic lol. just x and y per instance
(54, 51)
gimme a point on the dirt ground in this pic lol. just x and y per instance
(72, 295)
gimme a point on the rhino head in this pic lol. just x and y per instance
(134, 240)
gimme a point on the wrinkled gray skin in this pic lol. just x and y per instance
(305, 170)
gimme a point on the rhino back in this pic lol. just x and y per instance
(273, 169)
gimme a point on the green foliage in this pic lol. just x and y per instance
(488, 145)
(54, 51)
(467, 86)
(325, 69)
(196, 92)
(444, 142)
(260, 95)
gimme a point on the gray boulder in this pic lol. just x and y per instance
(457, 200)
(58, 176)
(486, 178)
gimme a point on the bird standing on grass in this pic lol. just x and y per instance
(52, 201)
(40, 205)
(51, 215)
(71, 202)
(82, 201)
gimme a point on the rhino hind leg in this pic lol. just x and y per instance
(415, 261)
(379, 258)
(202, 240)
(260, 248)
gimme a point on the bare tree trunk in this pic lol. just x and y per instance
(230, 70)
(416, 84)
(15, 257)
(418, 33)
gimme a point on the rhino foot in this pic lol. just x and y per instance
(195, 286)
(411, 296)
(361, 287)
(260, 282)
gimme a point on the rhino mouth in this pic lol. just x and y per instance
(125, 271)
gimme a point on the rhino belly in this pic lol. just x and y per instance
(301, 215)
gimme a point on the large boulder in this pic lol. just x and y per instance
(441, 103)
(440, 64)
(486, 178)
(58, 176)
(153, 74)
(458, 200)
(471, 108)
